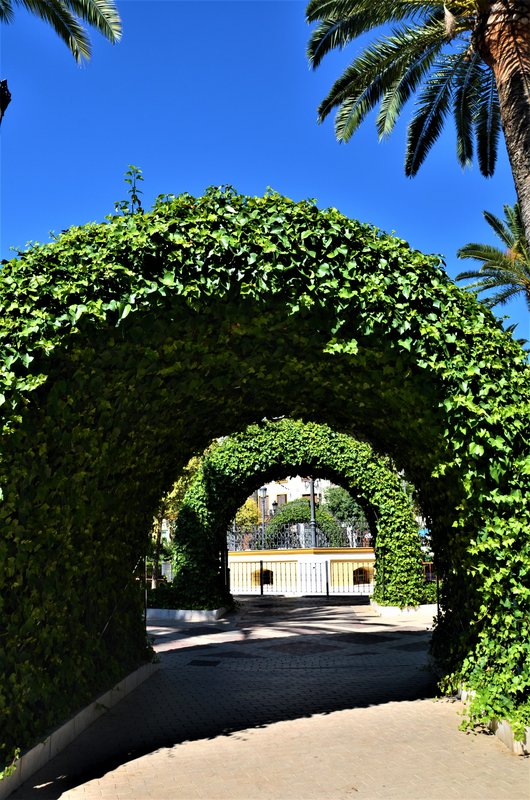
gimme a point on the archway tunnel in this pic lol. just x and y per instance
(129, 346)
(228, 474)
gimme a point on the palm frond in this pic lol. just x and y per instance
(99, 14)
(429, 117)
(466, 94)
(467, 275)
(514, 222)
(319, 9)
(420, 57)
(338, 28)
(487, 253)
(65, 17)
(492, 277)
(507, 271)
(487, 122)
(377, 68)
(425, 44)
(399, 92)
(64, 23)
(342, 22)
(6, 11)
(368, 68)
(353, 110)
(514, 219)
(510, 231)
(370, 14)
(488, 283)
(517, 272)
(331, 34)
(501, 229)
(504, 296)
(511, 329)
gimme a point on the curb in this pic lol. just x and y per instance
(393, 611)
(185, 614)
(38, 756)
(502, 729)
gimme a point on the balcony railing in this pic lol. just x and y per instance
(294, 537)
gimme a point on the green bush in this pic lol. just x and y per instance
(429, 594)
(300, 511)
(340, 503)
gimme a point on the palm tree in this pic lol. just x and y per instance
(66, 18)
(506, 270)
(469, 59)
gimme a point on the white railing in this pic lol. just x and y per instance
(296, 577)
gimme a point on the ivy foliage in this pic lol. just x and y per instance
(128, 346)
(267, 451)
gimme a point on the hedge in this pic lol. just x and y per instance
(129, 345)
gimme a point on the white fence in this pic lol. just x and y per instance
(301, 577)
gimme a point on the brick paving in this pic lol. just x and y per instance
(286, 700)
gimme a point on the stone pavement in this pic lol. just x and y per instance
(286, 700)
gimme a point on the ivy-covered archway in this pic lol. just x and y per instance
(128, 346)
(231, 471)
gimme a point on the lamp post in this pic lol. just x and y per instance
(262, 491)
(313, 520)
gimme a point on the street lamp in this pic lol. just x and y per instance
(310, 484)
(313, 521)
(262, 492)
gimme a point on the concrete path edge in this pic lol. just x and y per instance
(38, 756)
(186, 614)
(392, 611)
(503, 730)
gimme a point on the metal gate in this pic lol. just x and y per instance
(293, 577)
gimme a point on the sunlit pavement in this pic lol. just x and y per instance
(286, 700)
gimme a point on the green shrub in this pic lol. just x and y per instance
(430, 593)
(300, 511)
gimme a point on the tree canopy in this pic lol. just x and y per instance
(344, 508)
(460, 59)
(505, 271)
(299, 511)
(68, 19)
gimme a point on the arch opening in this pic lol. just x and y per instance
(231, 471)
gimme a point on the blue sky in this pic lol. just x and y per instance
(203, 92)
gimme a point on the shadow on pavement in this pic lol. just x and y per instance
(248, 671)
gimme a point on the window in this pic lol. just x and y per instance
(360, 575)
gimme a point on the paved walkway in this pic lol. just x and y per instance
(286, 700)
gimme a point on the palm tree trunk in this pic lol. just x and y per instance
(503, 40)
(5, 98)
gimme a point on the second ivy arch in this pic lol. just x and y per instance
(230, 472)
